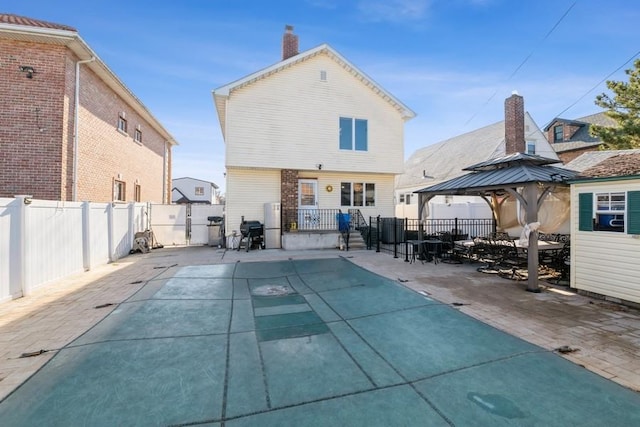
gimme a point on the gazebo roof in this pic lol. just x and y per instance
(508, 171)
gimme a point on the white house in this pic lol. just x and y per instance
(445, 160)
(605, 227)
(191, 190)
(313, 133)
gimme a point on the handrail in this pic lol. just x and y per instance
(357, 219)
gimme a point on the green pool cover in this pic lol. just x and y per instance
(305, 343)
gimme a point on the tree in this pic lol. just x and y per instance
(624, 108)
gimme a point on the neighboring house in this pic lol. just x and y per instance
(313, 133)
(445, 160)
(191, 190)
(70, 129)
(605, 235)
(571, 138)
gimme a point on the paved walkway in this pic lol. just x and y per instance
(605, 337)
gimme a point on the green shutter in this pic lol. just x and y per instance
(633, 212)
(346, 133)
(585, 211)
(361, 135)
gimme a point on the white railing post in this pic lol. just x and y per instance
(86, 236)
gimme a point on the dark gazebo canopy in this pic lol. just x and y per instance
(494, 175)
(527, 177)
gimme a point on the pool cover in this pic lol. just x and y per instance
(305, 343)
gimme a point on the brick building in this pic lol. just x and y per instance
(110, 148)
(571, 138)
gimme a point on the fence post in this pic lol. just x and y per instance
(86, 236)
(132, 224)
(394, 224)
(406, 241)
(110, 242)
(21, 249)
(378, 234)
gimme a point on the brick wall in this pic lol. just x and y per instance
(289, 43)
(568, 156)
(568, 131)
(514, 124)
(105, 154)
(37, 132)
(289, 196)
(31, 115)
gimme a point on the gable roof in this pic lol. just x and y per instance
(445, 159)
(221, 94)
(25, 29)
(592, 158)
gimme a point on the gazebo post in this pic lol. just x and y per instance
(531, 197)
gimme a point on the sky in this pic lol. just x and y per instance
(453, 62)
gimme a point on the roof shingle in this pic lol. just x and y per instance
(619, 165)
(29, 22)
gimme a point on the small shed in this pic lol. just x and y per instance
(527, 178)
(605, 212)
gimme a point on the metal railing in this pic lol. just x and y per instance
(391, 235)
(310, 219)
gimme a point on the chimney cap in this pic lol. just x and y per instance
(514, 92)
(288, 28)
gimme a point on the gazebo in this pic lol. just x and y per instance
(526, 177)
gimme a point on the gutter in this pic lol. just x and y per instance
(76, 118)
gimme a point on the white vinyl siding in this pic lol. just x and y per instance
(331, 200)
(290, 120)
(247, 192)
(603, 262)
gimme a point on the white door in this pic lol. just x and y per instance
(308, 217)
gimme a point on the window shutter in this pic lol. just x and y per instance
(361, 135)
(633, 212)
(346, 133)
(585, 211)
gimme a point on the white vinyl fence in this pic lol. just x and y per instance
(42, 241)
(182, 224)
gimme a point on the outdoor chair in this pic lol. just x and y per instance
(450, 253)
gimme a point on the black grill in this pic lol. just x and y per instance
(253, 232)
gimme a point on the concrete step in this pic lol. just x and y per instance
(356, 241)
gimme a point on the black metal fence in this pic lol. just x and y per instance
(392, 235)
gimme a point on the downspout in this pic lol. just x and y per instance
(76, 118)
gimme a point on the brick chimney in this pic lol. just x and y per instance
(514, 124)
(289, 43)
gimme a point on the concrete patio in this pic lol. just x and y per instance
(604, 337)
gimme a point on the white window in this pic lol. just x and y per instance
(402, 198)
(138, 136)
(531, 147)
(199, 191)
(353, 134)
(610, 209)
(119, 191)
(122, 124)
(357, 194)
(137, 193)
